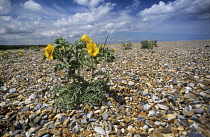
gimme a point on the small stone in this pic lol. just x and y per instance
(12, 90)
(84, 120)
(57, 123)
(157, 133)
(66, 132)
(146, 107)
(195, 118)
(37, 119)
(45, 117)
(199, 110)
(32, 116)
(58, 116)
(167, 129)
(72, 123)
(105, 116)
(196, 101)
(87, 133)
(76, 129)
(203, 94)
(32, 96)
(170, 116)
(207, 133)
(189, 95)
(66, 122)
(110, 127)
(157, 122)
(24, 109)
(137, 78)
(90, 114)
(46, 135)
(42, 132)
(42, 122)
(151, 113)
(131, 83)
(100, 130)
(63, 118)
(162, 106)
(180, 128)
(189, 113)
(194, 134)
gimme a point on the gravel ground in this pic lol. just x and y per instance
(160, 92)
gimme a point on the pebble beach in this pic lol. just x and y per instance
(163, 92)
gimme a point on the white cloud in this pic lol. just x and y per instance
(5, 18)
(31, 5)
(135, 4)
(179, 8)
(86, 18)
(4, 7)
(91, 3)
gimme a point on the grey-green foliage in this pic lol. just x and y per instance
(147, 44)
(127, 45)
(92, 93)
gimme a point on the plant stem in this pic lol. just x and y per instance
(92, 67)
(106, 39)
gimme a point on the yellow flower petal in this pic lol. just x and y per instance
(62, 48)
(92, 49)
(48, 51)
(85, 38)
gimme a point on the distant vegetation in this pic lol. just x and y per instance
(5, 47)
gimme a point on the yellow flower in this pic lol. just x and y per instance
(5, 52)
(113, 49)
(48, 51)
(85, 38)
(102, 46)
(20, 54)
(20, 50)
(62, 48)
(92, 49)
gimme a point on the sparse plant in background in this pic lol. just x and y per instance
(74, 57)
(127, 45)
(147, 44)
(9, 54)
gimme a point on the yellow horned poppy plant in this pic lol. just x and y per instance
(48, 51)
(92, 49)
(85, 38)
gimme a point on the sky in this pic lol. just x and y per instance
(32, 22)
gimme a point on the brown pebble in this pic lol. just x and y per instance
(157, 133)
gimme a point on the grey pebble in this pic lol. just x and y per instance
(42, 122)
(105, 116)
(100, 130)
(84, 120)
(167, 129)
(12, 90)
(63, 118)
(46, 135)
(90, 114)
(33, 96)
(72, 123)
(37, 119)
(24, 109)
(76, 129)
(199, 110)
(194, 134)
